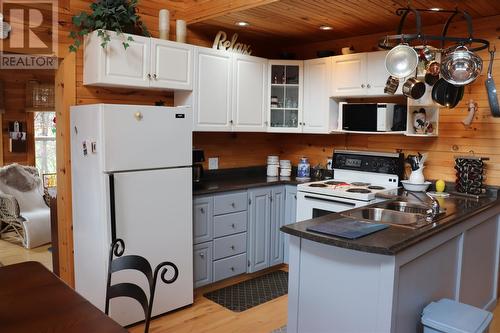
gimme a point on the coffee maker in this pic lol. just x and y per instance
(198, 159)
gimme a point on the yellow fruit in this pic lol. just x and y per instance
(440, 185)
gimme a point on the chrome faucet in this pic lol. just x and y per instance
(435, 207)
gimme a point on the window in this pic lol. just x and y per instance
(45, 142)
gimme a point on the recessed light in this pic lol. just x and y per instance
(435, 9)
(325, 27)
(242, 24)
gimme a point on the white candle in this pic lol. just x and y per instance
(164, 25)
(181, 31)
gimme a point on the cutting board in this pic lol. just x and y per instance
(347, 228)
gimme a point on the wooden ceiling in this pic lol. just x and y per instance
(298, 21)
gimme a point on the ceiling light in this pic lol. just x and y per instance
(435, 9)
(242, 24)
(325, 27)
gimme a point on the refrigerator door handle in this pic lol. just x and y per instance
(112, 206)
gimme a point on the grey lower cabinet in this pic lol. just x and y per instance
(266, 216)
(219, 236)
(239, 231)
(290, 215)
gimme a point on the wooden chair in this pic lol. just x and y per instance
(132, 290)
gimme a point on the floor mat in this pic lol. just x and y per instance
(247, 294)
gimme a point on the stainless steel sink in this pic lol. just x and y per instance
(386, 216)
(406, 207)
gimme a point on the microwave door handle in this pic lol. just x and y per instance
(331, 200)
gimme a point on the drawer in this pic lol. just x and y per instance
(202, 219)
(230, 203)
(202, 264)
(230, 224)
(231, 266)
(230, 245)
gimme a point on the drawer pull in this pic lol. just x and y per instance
(232, 247)
(202, 210)
(202, 254)
(233, 225)
(232, 268)
(233, 205)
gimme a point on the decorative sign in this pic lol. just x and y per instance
(222, 43)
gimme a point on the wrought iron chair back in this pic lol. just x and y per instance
(125, 289)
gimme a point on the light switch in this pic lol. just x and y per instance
(213, 163)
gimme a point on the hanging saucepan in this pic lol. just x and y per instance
(447, 94)
(413, 88)
(432, 73)
(461, 66)
(401, 61)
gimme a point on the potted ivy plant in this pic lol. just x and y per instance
(108, 15)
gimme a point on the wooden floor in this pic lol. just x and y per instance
(11, 253)
(205, 316)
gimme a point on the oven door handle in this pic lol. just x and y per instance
(330, 200)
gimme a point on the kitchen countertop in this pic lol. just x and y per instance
(396, 239)
(240, 179)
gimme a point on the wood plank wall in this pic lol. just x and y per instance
(15, 101)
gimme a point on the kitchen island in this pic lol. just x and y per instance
(381, 282)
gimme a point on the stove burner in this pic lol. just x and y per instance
(374, 187)
(358, 190)
(318, 185)
(360, 184)
(335, 182)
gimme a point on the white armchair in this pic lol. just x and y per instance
(24, 214)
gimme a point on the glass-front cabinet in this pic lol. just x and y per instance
(285, 96)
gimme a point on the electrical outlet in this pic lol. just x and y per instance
(329, 164)
(213, 163)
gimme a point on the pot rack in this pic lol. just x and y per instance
(400, 37)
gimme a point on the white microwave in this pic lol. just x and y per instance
(366, 117)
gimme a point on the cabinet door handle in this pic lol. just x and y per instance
(202, 254)
(202, 210)
(233, 205)
(232, 268)
(149, 76)
(368, 85)
(138, 116)
(155, 76)
(295, 196)
(231, 122)
(362, 85)
(232, 247)
(233, 225)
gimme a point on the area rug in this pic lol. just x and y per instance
(280, 330)
(250, 293)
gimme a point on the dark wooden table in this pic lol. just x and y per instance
(33, 300)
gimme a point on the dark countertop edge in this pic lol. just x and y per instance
(261, 183)
(347, 244)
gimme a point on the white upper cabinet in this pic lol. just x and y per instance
(171, 64)
(359, 74)
(349, 75)
(317, 115)
(249, 93)
(212, 105)
(146, 63)
(376, 75)
(285, 96)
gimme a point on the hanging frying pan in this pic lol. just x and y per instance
(491, 89)
(447, 94)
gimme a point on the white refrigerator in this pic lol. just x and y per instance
(131, 179)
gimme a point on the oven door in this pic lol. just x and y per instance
(315, 205)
